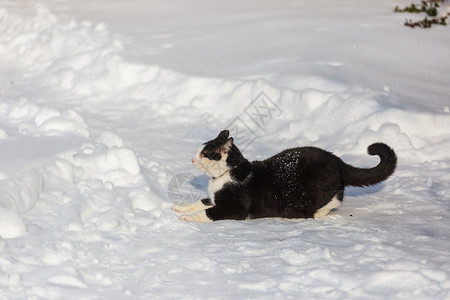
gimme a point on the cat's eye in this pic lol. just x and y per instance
(202, 155)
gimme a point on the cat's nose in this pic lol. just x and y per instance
(193, 160)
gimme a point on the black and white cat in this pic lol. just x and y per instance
(304, 182)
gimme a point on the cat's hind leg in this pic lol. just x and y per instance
(334, 203)
(197, 206)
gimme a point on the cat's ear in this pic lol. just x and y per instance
(223, 135)
(227, 146)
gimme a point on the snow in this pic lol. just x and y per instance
(102, 106)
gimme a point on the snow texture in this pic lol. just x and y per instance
(103, 105)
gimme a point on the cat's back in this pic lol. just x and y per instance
(293, 161)
(299, 154)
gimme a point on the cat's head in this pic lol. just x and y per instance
(217, 156)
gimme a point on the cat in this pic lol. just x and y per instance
(305, 182)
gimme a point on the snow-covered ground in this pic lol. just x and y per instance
(103, 103)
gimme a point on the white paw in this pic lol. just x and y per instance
(198, 217)
(320, 214)
(325, 210)
(179, 208)
(197, 206)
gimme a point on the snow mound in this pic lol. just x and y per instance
(361, 117)
(32, 136)
(35, 39)
(20, 117)
(102, 186)
(22, 192)
(11, 225)
(45, 149)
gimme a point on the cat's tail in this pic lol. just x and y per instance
(364, 177)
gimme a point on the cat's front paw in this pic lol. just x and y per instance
(198, 217)
(179, 208)
(197, 206)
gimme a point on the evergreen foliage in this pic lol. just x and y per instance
(429, 7)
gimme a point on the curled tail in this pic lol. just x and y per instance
(364, 177)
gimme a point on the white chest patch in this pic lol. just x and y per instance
(217, 184)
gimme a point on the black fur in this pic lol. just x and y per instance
(292, 184)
